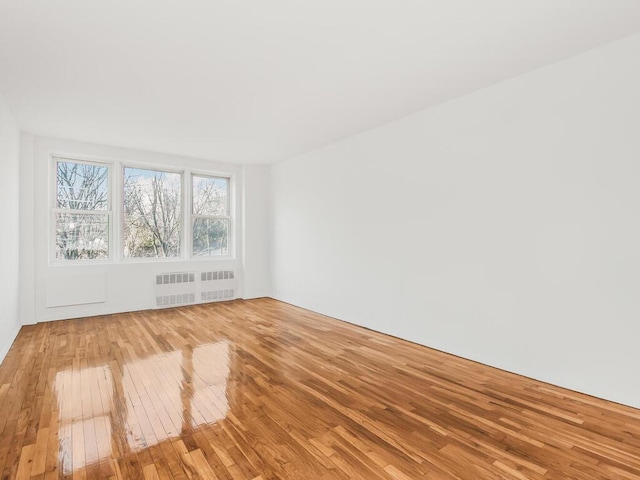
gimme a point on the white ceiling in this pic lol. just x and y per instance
(260, 80)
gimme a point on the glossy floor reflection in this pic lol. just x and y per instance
(164, 395)
(263, 390)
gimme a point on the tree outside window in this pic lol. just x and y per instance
(211, 215)
(81, 215)
(152, 213)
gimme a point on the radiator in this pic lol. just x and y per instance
(184, 288)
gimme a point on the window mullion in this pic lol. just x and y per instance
(81, 212)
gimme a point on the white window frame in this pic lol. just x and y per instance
(156, 168)
(115, 210)
(55, 210)
(230, 217)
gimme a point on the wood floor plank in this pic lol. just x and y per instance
(262, 390)
(26, 463)
(150, 472)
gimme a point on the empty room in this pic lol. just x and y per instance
(339, 239)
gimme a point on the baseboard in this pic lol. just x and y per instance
(4, 349)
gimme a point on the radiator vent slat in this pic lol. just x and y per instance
(178, 299)
(218, 275)
(169, 278)
(212, 295)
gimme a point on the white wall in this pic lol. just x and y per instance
(257, 265)
(128, 286)
(27, 249)
(9, 226)
(503, 226)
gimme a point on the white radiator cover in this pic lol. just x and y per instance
(184, 288)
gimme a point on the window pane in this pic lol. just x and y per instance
(210, 196)
(82, 236)
(210, 236)
(151, 213)
(81, 186)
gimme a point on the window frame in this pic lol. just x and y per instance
(115, 210)
(55, 210)
(229, 217)
(156, 168)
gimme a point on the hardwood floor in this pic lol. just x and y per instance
(264, 390)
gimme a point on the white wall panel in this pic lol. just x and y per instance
(9, 229)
